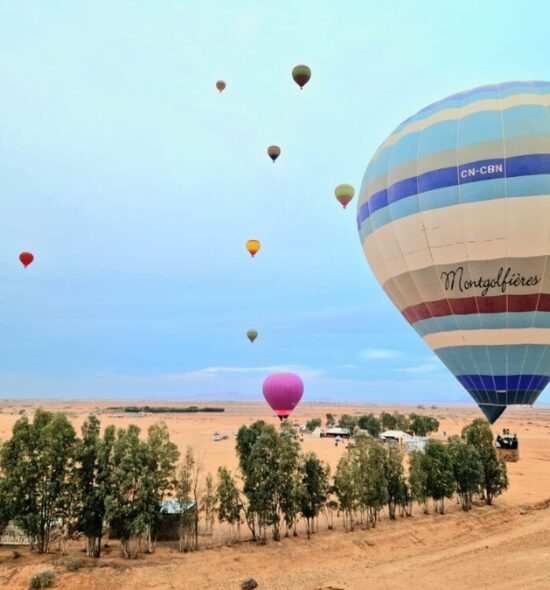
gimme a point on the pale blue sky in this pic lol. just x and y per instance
(136, 185)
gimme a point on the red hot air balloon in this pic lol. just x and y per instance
(283, 391)
(26, 258)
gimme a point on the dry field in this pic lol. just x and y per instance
(506, 546)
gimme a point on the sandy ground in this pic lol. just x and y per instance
(506, 546)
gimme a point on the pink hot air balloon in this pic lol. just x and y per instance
(283, 391)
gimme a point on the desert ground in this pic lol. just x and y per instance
(505, 546)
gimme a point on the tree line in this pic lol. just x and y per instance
(420, 424)
(113, 484)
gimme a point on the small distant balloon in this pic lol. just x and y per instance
(283, 391)
(273, 151)
(344, 194)
(26, 258)
(252, 335)
(253, 247)
(220, 85)
(301, 75)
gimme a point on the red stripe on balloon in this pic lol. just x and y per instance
(468, 305)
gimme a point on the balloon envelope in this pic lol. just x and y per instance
(26, 258)
(220, 85)
(301, 75)
(344, 194)
(252, 335)
(253, 246)
(273, 151)
(453, 218)
(283, 391)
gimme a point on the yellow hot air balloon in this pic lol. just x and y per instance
(273, 151)
(220, 85)
(344, 194)
(253, 246)
(301, 75)
(252, 335)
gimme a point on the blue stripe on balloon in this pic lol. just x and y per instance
(521, 186)
(513, 359)
(503, 383)
(484, 321)
(469, 173)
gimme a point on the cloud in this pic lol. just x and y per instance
(422, 369)
(303, 371)
(379, 353)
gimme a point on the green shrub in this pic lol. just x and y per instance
(73, 564)
(42, 580)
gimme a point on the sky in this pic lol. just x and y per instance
(136, 184)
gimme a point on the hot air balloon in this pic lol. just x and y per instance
(253, 246)
(344, 194)
(453, 218)
(283, 391)
(26, 258)
(252, 335)
(220, 85)
(273, 151)
(301, 75)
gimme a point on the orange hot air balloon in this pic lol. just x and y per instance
(220, 85)
(273, 151)
(26, 258)
(253, 246)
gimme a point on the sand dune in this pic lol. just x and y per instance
(506, 546)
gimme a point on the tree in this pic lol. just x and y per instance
(422, 425)
(94, 462)
(389, 421)
(495, 475)
(229, 501)
(370, 478)
(370, 423)
(141, 474)
(187, 493)
(37, 463)
(440, 475)
(393, 471)
(345, 490)
(418, 478)
(246, 437)
(312, 424)
(313, 490)
(158, 476)
(468, 470)
(289, 486)
(208, 504)
(347, 421)
(330, 421)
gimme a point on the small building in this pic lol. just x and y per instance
(404, 439)
(13, 535)
(171, 511)
(317, 433)
(336, 431)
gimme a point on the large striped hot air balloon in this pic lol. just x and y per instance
(453, 217)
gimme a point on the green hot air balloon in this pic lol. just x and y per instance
(344, 194)
(252, 335)
(301, 75)
(273, 151)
